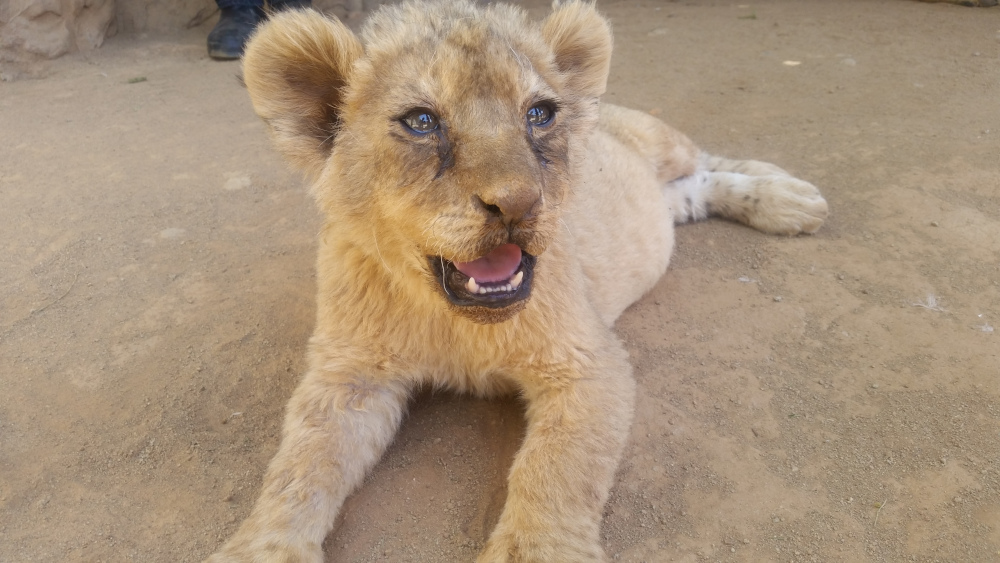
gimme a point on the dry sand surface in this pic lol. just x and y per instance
(821, 398)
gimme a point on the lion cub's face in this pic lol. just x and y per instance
(450, 135)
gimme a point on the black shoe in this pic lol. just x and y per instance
(275, 6)
(228, 37)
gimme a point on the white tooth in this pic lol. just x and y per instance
(515, 282)
(482, 291)
(472, 286)
(508, 288)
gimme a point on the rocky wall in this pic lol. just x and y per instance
(50, 28)
(46, 29)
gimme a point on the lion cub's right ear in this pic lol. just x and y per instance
(295, 67)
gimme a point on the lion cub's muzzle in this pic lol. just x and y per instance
(500, 279)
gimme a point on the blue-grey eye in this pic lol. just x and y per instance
(541, 115)
(420, 121)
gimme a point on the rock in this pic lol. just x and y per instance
(50, 28)
(33, 30)
(236, 182)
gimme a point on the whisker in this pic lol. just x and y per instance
(564, 224)
(379, 251)
(444, 285)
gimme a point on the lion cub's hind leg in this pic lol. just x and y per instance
(757, 194)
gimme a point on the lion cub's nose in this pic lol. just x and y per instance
(511, 207)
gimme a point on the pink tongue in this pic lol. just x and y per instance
(498, 265)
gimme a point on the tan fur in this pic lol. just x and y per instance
(594, 196)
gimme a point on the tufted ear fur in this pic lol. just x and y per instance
(295, 67)
(581, 41)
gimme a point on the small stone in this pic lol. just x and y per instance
(236, 183)
(934, 223)
(777, 298)
(173, 232)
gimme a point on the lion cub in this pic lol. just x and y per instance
(487, 220)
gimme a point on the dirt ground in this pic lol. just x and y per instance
(822, 398)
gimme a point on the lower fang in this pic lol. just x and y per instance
(515, 282)
(472, 286)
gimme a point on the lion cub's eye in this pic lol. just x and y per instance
(420, 121)
(541, 115)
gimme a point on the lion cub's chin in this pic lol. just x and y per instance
(488, 316)
(501, 291)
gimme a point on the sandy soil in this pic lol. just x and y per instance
(824, 398)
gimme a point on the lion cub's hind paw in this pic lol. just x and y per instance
(788, 206)
(777, 204)
(785, 205)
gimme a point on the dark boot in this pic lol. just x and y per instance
(278, 5)
(227, 38)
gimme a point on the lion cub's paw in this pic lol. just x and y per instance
(778, 204)
(265, 555)
(509, 550)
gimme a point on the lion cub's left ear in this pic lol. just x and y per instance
(295, 67)
(580, 38)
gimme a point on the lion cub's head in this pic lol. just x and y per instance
(442, 142)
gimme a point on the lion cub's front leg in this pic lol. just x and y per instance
(578, 421)
(336, 428)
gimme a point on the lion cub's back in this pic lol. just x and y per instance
(619, 218)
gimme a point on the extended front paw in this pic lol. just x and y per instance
(251, 553)
(527, 548)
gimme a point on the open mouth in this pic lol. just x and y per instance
(497, 280)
